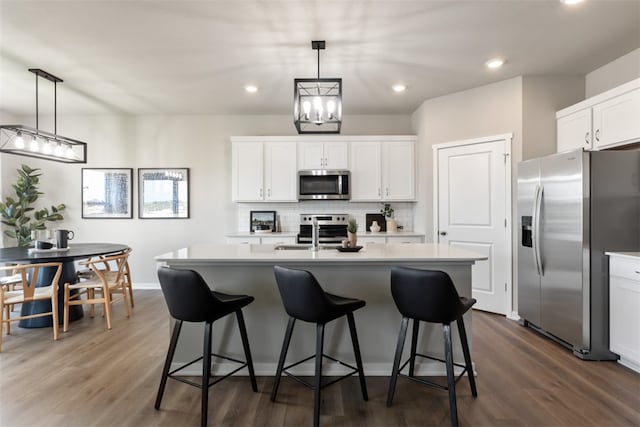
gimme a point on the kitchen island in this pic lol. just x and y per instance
(248, 269)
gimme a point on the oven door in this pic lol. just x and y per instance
(323, 185)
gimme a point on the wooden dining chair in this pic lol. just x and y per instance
(99, 288)
(12, 280)
(107, 268)
(28, 292)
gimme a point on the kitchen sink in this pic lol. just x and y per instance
(301, 247)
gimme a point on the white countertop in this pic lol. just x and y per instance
(631, 255)
(390, 253)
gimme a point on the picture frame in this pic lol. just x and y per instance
(163, 193)
(258, 220)
(107, 193)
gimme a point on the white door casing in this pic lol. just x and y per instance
(472, 210)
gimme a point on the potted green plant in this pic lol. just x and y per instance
(352, 230)
(388, 212)
(16, 211)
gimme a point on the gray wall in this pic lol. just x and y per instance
(615, 73)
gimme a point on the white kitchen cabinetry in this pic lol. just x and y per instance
(263, 171)
(379, 238)
(323, 155)
(268, 239)
(624, 308)
(574, 131)
(398, 171)
(243, 240)
(617, 121)
(607, 120)
(366, 171)
(382, 171)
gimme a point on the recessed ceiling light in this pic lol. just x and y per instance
(495, 63)
(399, 87)
(251, 88)
(571, 2)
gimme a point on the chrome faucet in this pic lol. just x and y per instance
(315, 245)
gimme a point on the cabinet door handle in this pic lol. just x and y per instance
(269, 192)
(586, 138)
(261, 193)
(387, 191)
(597, 134)
(379, 192)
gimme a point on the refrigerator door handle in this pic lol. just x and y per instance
(537, 207)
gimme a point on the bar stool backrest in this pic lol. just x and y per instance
(426, 295)
(188, 296)
(302, 295)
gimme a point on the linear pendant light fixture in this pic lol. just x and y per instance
(317, 103)
(26, 141)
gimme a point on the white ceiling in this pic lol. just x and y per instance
(195, 57)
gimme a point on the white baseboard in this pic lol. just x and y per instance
(513, 316)
(146, 286)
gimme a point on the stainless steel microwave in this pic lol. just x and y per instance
(323, 185)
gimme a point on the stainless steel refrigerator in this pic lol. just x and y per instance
(572, 207)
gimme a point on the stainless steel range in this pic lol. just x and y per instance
(332, 228)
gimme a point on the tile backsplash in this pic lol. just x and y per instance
(288, 214)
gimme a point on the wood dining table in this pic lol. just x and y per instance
(67, 256)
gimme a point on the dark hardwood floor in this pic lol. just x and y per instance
(95, 377)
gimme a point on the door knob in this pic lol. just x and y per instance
(443, 233)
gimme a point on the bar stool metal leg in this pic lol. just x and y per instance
(247, 350)
(356, 352)
(414, 344)
(396, 361)
(167, 363)
(318, 378)
(467, 356)
(451, 381)
(283, 357)
(206, 372)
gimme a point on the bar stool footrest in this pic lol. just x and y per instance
(427, 382)
(311, 386)
(171, 374)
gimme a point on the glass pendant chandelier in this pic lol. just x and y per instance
(317, 103)
(26, 141)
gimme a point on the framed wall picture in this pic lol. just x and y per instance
(262, 221)
(163, 193)
(107, 193)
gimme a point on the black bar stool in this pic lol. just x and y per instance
(430, 296)
(190, 300)
(304, 299)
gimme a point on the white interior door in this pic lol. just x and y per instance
(473, 212)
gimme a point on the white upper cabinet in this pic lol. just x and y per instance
(366, 171)
(263, 171)
(323, 155)
(398, 170)
(610, 119)
(247, 170)
(574, 131)
(382, 170)
(617, 121)
(280, 172)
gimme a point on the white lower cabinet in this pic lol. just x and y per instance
(278, 240)
(624, 309)
(261, 240)
(249, 240)
(389, 238)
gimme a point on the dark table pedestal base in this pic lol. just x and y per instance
(46, 275)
